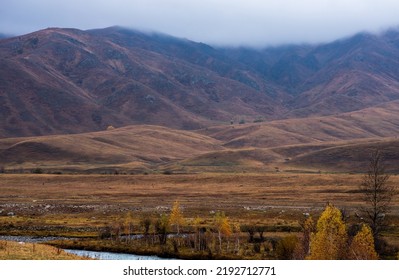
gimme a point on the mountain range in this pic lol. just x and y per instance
(287, 105)
(69, 81)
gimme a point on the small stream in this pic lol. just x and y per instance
(110, 256)
(84, 253)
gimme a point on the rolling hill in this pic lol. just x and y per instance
(341, 143)
(129, 148)
(374, 122)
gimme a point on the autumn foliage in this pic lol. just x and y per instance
(176, 216)
(330, 241)
(222, 226)
(362, 246)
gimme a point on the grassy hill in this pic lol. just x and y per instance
(131, 148)
(337, 143)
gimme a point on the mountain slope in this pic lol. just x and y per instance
(116, 77)
(58, 81)
(343, 76)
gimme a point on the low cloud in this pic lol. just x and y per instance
(222, 22)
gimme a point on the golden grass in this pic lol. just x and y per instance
(31, 251)
(129, 147)
(154, 190)
(87, 198)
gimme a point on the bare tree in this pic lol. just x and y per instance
(377, 193)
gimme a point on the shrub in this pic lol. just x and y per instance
(256, 247)
(250, 230)
(162, 228)
(37, 170)
(105, 232)
(285, 247)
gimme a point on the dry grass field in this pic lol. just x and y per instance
(94, 200)
(195, 191)
(81, 206)
(31, 251)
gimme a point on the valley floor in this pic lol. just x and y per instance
(81, 205)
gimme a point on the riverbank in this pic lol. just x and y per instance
(34, 248)
(133, 249)
(11, 250)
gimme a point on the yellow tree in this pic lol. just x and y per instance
(176, 217)
(362, 246)
(223, 227)
(330, 240)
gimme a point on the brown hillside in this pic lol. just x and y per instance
(72, 81)
(152, 148)
(129, 147)
(59, 81)
(337, 143)
(378, 121)
(349, 157)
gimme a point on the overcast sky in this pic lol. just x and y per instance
(217, 22)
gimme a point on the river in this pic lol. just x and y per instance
(85, 253)
(110, 256)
